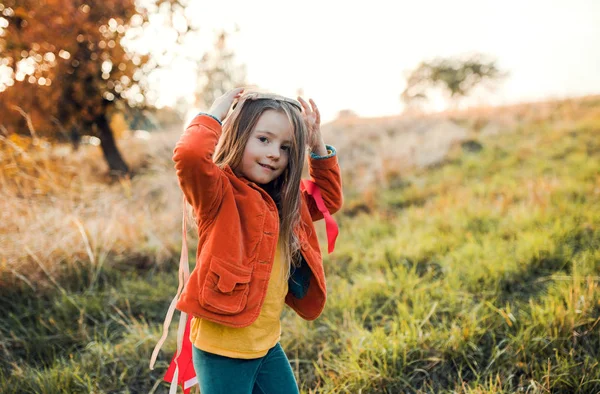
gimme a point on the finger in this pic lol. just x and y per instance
(307, 109)
(234, 95)
(236, 92)
(316, 109)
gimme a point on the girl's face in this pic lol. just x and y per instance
(266, 154)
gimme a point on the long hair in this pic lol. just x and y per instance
(285, 190)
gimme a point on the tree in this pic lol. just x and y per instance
(456, 77)
(68, 65)
(218, 72)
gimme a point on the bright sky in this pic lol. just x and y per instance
(353, 55)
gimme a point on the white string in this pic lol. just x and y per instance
(184, 273)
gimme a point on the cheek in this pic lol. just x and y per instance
(286, 162)
(248, 153)
(252, 149)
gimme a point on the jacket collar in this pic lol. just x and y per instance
(246, 181)
(227, 168)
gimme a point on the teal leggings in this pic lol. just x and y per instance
(270, 374)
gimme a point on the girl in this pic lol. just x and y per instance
(257, 246)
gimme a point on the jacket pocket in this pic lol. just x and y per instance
(226, 288)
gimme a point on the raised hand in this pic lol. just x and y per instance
(312, 117)
(222, 104)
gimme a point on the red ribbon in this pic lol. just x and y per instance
(330, 224)
(186, 375)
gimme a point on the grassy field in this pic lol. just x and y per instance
(480, 274)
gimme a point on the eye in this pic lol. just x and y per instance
(263, 139)
(285, 148)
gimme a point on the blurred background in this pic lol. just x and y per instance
(468, 137)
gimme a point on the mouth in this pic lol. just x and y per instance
(267, 166)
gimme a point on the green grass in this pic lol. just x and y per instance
(481, 275)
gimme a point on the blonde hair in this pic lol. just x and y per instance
(285, 190)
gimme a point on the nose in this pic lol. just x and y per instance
(273, 152)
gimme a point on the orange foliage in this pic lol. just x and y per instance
(68, 61)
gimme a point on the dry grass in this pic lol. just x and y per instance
(60, 210)
(379, 152)
(60, 206)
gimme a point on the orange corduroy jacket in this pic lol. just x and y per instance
(238, 228)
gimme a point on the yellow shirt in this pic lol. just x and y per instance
(255, 340)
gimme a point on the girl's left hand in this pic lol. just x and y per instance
(312, 117)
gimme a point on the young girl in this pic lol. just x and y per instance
(257, 246)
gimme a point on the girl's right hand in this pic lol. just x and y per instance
(221, 106)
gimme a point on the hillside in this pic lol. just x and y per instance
(472, 272)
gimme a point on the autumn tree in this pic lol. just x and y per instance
(64, 65)
(455, 77)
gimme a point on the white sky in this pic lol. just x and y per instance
(353, 55)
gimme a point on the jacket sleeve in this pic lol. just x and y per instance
(201, 181)
(325, 172)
